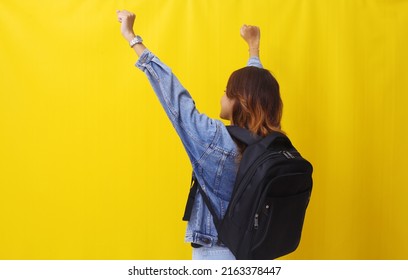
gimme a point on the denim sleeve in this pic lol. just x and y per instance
(254, 61)
(196, 131)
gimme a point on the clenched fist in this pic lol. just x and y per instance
(251, 34)
(127, 19)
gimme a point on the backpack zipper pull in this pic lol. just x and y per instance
(287, 154)
(256, 221)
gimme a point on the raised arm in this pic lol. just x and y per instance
(127, 19)
(252, 35)
(198, 132)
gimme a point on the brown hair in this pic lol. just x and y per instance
(258, 105)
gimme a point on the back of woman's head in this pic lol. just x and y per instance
(258, 106)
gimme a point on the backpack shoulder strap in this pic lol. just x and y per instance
(209, 206)
(195, 186)
(243, 135)
(190, 200)
(276, 138)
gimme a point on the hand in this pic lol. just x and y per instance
(251, 34)
(127, 20)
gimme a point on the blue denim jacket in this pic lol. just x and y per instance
(212, 152)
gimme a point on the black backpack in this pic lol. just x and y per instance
(264, 218)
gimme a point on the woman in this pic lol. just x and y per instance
(251, 100)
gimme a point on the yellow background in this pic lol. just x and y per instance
(90, 167)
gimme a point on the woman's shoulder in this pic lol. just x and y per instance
(224, 140)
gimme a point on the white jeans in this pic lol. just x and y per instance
(212, 253)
